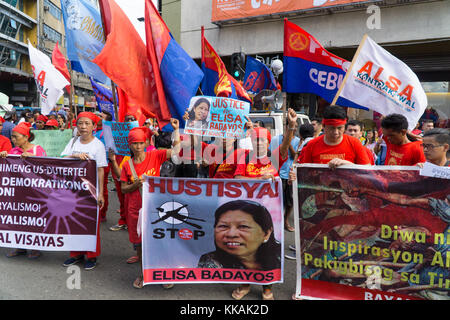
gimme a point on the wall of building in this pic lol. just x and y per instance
(171, 13)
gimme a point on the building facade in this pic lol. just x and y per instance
(415, 31)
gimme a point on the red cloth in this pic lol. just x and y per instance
(133, 200)
(23, 128)
(221, 168)
(134, 77)
(408, 154)
(89, 115)
(256, 168)
(139, 134)
(350, 149)
(42, 118)
(52, 123)
(60, 63)
(5, 144)
(334, 122)
(2, 119)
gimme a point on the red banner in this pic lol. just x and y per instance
(239, 9)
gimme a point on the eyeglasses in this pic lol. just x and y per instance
(430, 146)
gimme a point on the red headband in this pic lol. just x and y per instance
(334, 122)
(52, 123)
(23, 128)
(139, 134)
(89, 115)
(261, 132)
(42, 118)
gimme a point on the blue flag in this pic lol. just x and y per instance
(104, 98)
(258, 77)
(85, 39)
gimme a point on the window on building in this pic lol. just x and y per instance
(53, 9)
(9, 57)
(51, 34)
(9, 27)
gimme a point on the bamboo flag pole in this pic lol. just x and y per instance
(349, 69)
(71, 106)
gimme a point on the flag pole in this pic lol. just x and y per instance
(349, 69)
(113, 85)
(71, 107)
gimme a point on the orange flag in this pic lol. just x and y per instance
(124, 60)
(60, 63)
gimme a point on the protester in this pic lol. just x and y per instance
(5, 143)
(256, 164)
(22, 136)
(427, 124)
(9, 124)
(400, 150)
(318, 126)
(122, 222)
(86, 147)
(436, 144)
(99, 135)
(61, 119)
(354, 128)
(284, 175)
(334, 147)
(142, 162)
(40, 122)
(51, 124)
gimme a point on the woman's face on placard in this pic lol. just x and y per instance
(201, 111)
(237, 233)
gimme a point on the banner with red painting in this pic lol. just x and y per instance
(371, 233)
(212, 231)
(48, 204)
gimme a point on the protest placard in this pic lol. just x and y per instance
(371, 234)
(53, 141)
(116, 136)
(217, 117)
(233, 235)
(48, 204)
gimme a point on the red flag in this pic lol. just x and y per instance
(124, 60)
(60, 63)
(129, 106)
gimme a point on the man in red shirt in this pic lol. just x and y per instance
(334, 147)
(400, 150)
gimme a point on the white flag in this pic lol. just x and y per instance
(381, 82)
(49, 81)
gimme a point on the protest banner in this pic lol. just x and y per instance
(48, 204)
(217, 117)
(381, 82)
(116, 136)
(53, 141)
(233, 235)
(379, 233)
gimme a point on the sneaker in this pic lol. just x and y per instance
(90, 264)
(72, 261)
(118, 227)
(290, 256)
(292, 247)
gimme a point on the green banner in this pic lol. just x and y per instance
(53, 141)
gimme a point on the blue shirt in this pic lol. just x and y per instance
(286, 167)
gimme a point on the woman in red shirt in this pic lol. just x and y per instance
(141, 162)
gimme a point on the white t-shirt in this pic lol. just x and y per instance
(95, 149)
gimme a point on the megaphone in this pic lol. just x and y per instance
(275, 100)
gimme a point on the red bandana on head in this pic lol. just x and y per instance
(334, 122)
(23, 128)
(89, 115)
(139, 134)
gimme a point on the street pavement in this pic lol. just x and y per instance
(46, 279)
